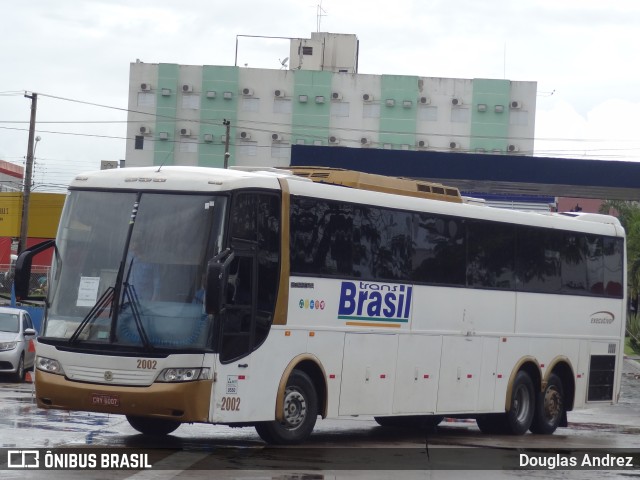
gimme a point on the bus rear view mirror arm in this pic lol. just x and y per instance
(217, 280)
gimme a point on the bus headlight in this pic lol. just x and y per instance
(172, 375)
(49, 365)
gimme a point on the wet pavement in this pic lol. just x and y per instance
(606, 428)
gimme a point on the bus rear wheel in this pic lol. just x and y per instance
(152, 426)
(300, 411)
(519, 417)
(549, 407)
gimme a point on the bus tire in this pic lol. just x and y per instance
(519, 417)
(300, 413)
(152, 426)
(549, 407)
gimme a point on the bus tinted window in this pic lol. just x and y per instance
(335, 238)
(594, 260)
(439, 254)
(613, 254)
(382, 246)
(321, 237)
(490, 255)
(538, 260)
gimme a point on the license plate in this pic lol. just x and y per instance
(105, 400)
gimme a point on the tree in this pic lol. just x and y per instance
(629, 215)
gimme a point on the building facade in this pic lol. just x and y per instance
(177, 113)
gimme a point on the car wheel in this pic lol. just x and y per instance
(19, 375)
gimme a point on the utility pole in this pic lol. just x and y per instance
(28, 173)
(227, 124)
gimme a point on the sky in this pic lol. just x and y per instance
(583, 54)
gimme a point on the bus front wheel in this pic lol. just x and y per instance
(549, 407)
(153, 426)
(300, 410)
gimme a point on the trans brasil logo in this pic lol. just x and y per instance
(375, 304)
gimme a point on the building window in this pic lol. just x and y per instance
(189, 145)
(280, 151)
(460, 115)
(139, 144)
(371, 110)
(146, 99)
(339, 109)
(247, 149)
(191, 101)
(519, 117)
(428, 113)
(306, 51)
(250, 104)
(282, 105)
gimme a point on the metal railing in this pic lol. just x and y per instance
(38, 282)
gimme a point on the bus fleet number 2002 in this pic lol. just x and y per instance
(231, 404)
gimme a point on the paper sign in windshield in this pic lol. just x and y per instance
(88, 291)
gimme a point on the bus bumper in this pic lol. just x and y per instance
(185, 401)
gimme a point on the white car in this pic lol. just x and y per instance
(16, 334)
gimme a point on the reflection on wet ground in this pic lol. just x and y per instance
(22, 424)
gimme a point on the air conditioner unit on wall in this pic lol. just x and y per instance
(367, 97)
(245, 135)
(422, 144)
(336, 96)
(163, 135)
(186, 88)
(145, 87)
(365, 141)
(278, 93)
(454, 145)
(424, 100)
(276, 137)
(247, 92)
(144, 130)
(208, 137)
(333, 140)
(515, 104)
(513, 148)
(455, 101)
(185, 132)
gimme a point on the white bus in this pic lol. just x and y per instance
(322, 300)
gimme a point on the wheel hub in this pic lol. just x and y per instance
(295, 408)
(552, 403)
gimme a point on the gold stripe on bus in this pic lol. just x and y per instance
(282, 301)
(371, 324)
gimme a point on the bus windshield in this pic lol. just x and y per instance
(130, 269)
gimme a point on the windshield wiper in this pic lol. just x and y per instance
(103, 302)
(134, 303)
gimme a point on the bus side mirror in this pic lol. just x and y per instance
(23, 268)
(217, 281)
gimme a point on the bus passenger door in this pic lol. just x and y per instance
(368, 373)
